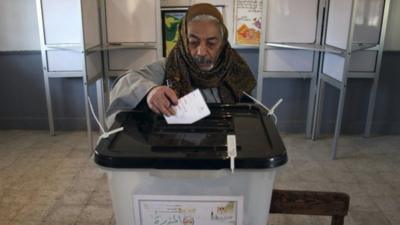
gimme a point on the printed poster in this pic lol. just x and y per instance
(170, 24)
(188, 210)
(248, 22)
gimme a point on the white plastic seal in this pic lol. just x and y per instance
(104, 133)
(231, 148)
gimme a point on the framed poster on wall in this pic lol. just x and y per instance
(170, 20)
(247, 27)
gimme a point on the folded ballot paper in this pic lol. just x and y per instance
(190, 109)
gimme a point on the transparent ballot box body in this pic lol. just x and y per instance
(162, 173)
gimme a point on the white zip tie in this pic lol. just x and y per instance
(95, 117)
(271, 112)
(104, 134)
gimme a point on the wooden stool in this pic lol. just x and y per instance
(333, 204)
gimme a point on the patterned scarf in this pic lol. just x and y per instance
(230, 74)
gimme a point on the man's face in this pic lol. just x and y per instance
(205, 43)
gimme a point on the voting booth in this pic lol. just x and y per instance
(128, 41)
(69, 32)
(326, 42)
(99, 39)
(182, 173)
(354, 34)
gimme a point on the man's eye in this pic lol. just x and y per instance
(211, 44)
(193, 43)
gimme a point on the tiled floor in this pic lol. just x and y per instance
(52, 180)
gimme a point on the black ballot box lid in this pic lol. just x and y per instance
(147, 141)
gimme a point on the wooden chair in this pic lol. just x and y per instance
(311, 203)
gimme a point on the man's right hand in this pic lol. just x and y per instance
(161, 99)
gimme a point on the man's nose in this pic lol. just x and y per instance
(201, 50)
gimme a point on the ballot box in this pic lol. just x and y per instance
(162, 174)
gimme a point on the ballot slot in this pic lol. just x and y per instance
(205, 136)
(208, 124)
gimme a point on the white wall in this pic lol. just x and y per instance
(392, 39)
(18, 25)
(19, 31)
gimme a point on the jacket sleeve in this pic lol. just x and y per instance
(132, 87)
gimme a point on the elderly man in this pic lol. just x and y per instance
(202, 58)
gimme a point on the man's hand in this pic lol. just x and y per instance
(160, 100)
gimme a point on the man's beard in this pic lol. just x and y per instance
(203, 62)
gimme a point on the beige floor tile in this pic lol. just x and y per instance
(37, 171)
(368, 177)
(394, 217)
(92, 223)
(339, 176)
(32, 212)
(12, 196)
(28, 183)
(102, 184)
(388, 204)
(18, 143)
(67, 214)
(310, 171)
(50, 144)
(278, 219)
(360, 165)
(380, 189)
(113, 221)
(66, 169)
(369, 218)
(348, 220)
(299, 154)
(391, 177)
(48, 195)
(80, 183)
(363, 203)
(353, 189)
(310, 186)
(74, 197)
(13, 173)
(58, 183)
(91, 172)
(102, 198)
(6, 161)
(9, 211)
(25, 222)
(287, 173)
(47, 222)
(95, 214)
(61, 178)
(78, 153)
(74, 139)
(6, 183)
(5, 222)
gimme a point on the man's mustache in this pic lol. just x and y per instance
(202, 60)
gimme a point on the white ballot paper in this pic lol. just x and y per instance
(190, 109)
